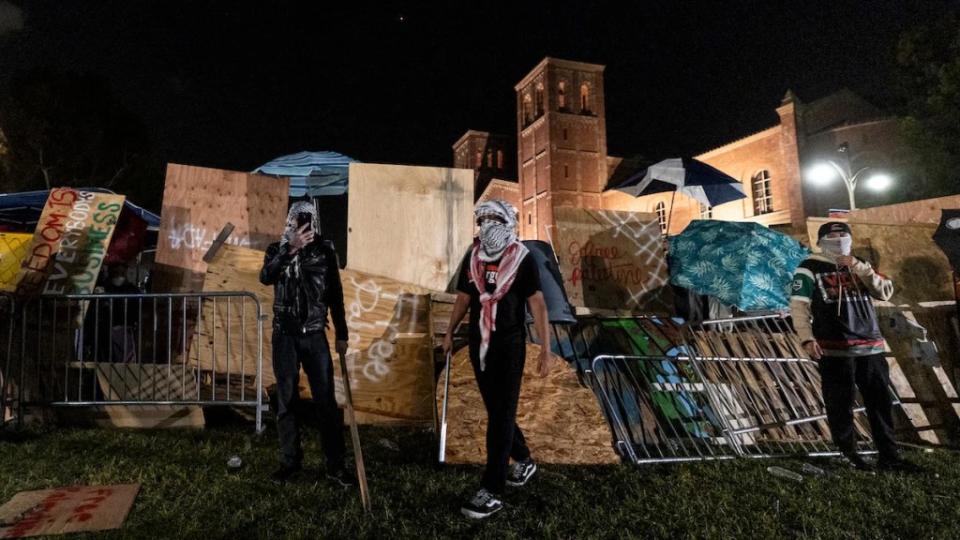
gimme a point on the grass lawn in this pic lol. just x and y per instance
(188, 493)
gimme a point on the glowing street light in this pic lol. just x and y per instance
(823, 173)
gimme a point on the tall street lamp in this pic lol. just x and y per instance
(824, 172)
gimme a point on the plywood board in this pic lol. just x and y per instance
(66, 510)
(612, 260)
(390, 354)
(905, 253)
(409, 224)
(923, 211)
(560, 419)
(198, 202)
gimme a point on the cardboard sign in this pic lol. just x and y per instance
(70, 242)
(66, 510)
(13, 250)
(83, 247)
(46, 240)
(612, 260)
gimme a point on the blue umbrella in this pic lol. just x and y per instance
(311, 173)
(740, 263)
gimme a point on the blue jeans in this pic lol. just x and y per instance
(313, 353)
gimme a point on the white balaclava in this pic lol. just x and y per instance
(296, 209)
(495, 236)
(836, 247)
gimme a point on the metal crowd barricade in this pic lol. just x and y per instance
(171, 349)
(716, 390)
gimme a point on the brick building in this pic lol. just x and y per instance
(562, 155)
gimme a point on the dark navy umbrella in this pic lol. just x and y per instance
(689, 176)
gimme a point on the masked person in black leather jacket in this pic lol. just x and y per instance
(303, 270)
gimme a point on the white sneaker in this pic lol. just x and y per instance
(520, 472)
(482, 505)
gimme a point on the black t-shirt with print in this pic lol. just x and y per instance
(511, 309)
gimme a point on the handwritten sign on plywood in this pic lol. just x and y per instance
(612, 260)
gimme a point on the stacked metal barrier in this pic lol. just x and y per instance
(715, 390)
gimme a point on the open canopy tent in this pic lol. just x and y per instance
(21, 211)
(313, 174)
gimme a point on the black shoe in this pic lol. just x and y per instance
(854, 460)
(342, 477)
(483, 505)
(520, 472)
(285, 473)
(898, 464)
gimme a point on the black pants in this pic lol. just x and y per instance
(500, 388)
(872, 376)
(313, 352)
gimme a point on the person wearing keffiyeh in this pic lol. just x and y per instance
(303, 270)
(498, 281)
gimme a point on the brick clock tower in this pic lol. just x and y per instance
(561, 142)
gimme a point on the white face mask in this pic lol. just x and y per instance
(836, 247)
(495, 237)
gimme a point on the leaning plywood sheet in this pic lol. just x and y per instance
(905, 253)
(390, 354)
(560, 419)
(612, 260)
(410, 224)
(198, 202)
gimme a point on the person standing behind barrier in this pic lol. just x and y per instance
(497, 280)
(303, 269)
(833, 314)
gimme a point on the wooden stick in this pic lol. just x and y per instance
(355, 435)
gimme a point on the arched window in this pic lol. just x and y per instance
(661, 210)
(706, 212)
(500, 159)
(762, 194)
(539, 100)
(562, 95)
(478, 160)
(585, 98)
(527, 109)
(489, 159)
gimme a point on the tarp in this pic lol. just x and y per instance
(22, 210)
(316, 174)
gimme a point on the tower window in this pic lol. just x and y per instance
(500, 159)
(539, 100)
(566, 171)
(478, 160)
(762, 194)
(490, 159)
(564, 133)
(527, 109)
(661, 210)
(585, 98)
(529, 218)
(562, 95)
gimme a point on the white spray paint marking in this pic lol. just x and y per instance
(192, 237)
(367, 298)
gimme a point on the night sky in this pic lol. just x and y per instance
(233, 84)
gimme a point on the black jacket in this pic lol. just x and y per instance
(305, 287)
